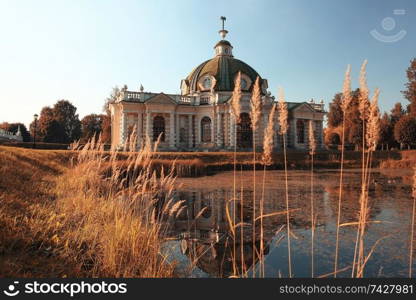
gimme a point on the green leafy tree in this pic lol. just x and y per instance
(353, 123)
(386, 132)
(396, 113)
(335, 111)
(106, 129)
(405, 131)
(410, 92)
(45, 117)
(65, 129)
(92, 125)
(54, 132)
(65, 114)
(355, 134)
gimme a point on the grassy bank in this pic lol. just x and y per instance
(27, 183)
(407, 160)
(59, 217)
(195, 163)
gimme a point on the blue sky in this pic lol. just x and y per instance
(79, 49)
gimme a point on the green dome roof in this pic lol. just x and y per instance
(224, 69)
(223, 42)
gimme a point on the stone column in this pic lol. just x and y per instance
(219, 125)
(190, 137)
(198, 130)
(232, 129)
(123, 128)
(320, 134)
(139, 130)
(177, 130)
(293, 134)
(148, 125)
(172, 130)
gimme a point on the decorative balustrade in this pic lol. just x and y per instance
(137, 96)
(318, 107)
(132, 95)
(185, 100)
(204, 100)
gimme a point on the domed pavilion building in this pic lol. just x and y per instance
(200, 117)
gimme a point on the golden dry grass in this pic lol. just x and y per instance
(60, 216)
(27, 182)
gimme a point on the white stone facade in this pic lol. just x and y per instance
(200, 119)
(188, 125)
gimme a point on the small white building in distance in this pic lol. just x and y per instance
(10, 136)
(200, 118)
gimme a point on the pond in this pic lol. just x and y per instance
(202, 244)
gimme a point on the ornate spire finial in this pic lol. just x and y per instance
(223, 32)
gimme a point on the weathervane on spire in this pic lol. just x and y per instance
(223, 32)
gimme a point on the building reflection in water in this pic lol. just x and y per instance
(205, 236)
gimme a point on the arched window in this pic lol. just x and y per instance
(182, 135)
(244, 132)
(300, 131)
(130, 131)
(243, 84)
(207, 210)
(207, 83)
(159, 128)
(206, 130)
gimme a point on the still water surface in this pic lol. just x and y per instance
(202, 244)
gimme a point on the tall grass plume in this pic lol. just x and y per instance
(283, 117)
(255, 116)
(312, 150)
(346, 100)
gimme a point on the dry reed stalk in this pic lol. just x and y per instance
(413, 224)
(236, 98)
(373, 132)
(312, 149)
(255, 115)
(119, 232)
(261, 258)
(256, 105)
(364, 103)
(371, 140)
(243, 264)
(363, 107)
(283, 116)
(268, 138)
(235, 187)
(346, 100)
(235, 112)
(266, 160)
(362, 220)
